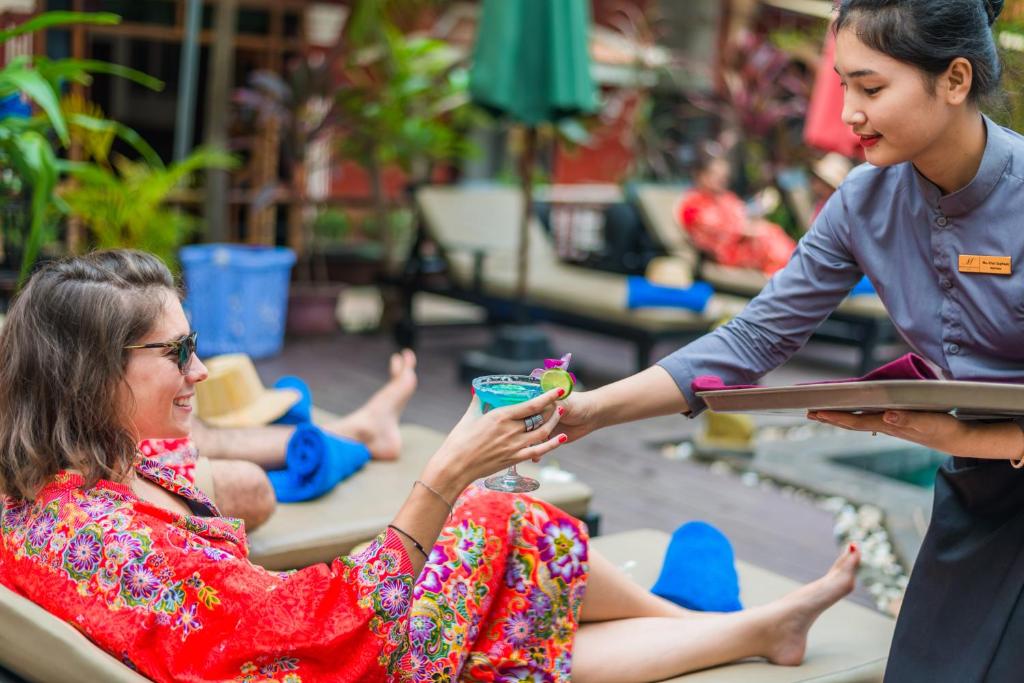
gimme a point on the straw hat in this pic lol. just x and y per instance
(233, 396)
(832, 168)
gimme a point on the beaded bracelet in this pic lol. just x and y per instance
(411, 540)
(451, 508)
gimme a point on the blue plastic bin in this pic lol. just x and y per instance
(237, 297)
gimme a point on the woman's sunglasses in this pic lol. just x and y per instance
(185, 348)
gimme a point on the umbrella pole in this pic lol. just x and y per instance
(526, 178)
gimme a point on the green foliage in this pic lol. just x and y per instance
(1008, 109)
(125, 205)
(24, 143)
(331, 225)
(405, 99)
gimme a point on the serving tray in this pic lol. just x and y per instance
(967, 400)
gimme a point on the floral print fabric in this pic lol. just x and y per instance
(178, 454)
(175, 597)
(499, 598)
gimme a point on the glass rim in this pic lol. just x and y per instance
(484, 380)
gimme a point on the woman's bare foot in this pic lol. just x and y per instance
(375, 424)
(788, 619)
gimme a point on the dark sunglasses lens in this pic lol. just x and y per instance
(185, 352)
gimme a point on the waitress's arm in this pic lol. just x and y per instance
(770, 329)
(779, 321)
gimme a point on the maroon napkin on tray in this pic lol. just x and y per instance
(910, 366)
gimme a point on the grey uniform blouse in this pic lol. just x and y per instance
(896, 227)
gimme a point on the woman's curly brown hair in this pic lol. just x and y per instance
(63, 367)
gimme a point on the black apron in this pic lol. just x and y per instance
(962, 619)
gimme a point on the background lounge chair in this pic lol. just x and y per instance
(476, 229)
(859, 321)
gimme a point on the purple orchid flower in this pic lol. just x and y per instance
(553, 363)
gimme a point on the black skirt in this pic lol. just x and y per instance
(962, 619)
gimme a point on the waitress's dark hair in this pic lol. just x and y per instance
(930, 34)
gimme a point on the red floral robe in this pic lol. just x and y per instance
(178, 454)
(719, 227)
(175, 597)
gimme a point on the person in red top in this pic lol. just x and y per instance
(494, 587)
(716, 221)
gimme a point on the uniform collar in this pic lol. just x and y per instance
(993, 164)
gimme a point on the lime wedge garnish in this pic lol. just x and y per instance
(556, 378)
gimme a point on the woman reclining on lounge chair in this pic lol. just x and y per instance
(716, 220)
(96, 352)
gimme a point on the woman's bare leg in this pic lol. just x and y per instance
(242, 490)
(645, 647)
(613, 595)
(375, 425)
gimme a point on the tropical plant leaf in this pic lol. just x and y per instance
(115, 128)
(28, 81)
(34, 157)
(126, 205)
(79, 70)
(58, 18)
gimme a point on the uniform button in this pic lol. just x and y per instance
(954, 349)
(942, 221)
(946, 284)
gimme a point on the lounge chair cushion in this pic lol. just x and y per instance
(300, 534)
(848, 644)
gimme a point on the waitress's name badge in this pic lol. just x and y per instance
(989, 265)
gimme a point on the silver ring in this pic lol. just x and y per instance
(533, 422)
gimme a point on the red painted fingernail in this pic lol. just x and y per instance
(561, 410)
(561, 392)
(853, 547)
(472, 391)
(562, 438)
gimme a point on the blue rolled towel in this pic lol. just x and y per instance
(699, 572)
(862, 287)
(642, 292)
(300, 413)
(315, 463)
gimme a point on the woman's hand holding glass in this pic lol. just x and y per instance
(482, 444)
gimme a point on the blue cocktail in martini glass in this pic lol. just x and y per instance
(497, 391)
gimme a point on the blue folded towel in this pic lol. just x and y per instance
(300, 412)
(699, 572)
(864, 286)
(315, 463)
(642, 292)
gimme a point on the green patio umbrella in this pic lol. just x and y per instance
(531, 65)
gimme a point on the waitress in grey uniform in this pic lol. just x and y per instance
(942, 193)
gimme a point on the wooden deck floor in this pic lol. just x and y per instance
(634, 485)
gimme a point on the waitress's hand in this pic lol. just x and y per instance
(940, 431)
(480, 445)
(577, 419)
